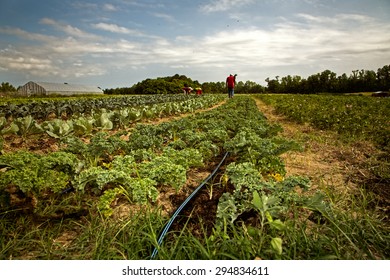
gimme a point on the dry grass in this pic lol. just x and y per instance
(325, 159)
(157, 121)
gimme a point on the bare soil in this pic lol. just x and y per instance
(200, 213)
(172, 118)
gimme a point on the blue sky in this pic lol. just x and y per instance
(118, 43)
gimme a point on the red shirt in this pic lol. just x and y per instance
(230, 81)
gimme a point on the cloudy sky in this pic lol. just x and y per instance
(117, 43)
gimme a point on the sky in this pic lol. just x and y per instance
(117, 43)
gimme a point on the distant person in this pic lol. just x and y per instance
(230, 83)
(235, 83)
(187, 89)
(198, 91)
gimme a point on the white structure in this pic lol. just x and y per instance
(42, 88)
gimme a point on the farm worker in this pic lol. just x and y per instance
(230, 83)
(198, 91)
(235, 76)
(187, 89)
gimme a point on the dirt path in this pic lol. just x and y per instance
(330, 164)
(172, 118)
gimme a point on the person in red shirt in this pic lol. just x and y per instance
(230, 83)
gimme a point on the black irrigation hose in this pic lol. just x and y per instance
(178, 210)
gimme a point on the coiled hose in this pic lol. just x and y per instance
(178, 210)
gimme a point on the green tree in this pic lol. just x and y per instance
(383, 77)
(7, 87)
(273, 85)
(239, 87)
(342, 83)
(328, 81)
(214, 87)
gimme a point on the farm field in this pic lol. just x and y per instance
(360, 124)
(354, 117)
(105, 190)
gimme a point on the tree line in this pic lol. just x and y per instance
(162, 85)
(175, 84)
(324, 82)
(7, 87)
(328, 81)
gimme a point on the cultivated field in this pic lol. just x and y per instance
(101, 183)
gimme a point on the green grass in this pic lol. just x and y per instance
(358, 234)
(354, 230)
(352, 117)
(91, 237)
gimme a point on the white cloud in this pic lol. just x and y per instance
(40, 66)
(347, 38)
(337, 19)
(223, 5)
(84, 5)
(302, 41)
(26, 35)
(68, 29)
(29, 63)
(14, 60)
(116, 28)
(163, 16)
(109, 7)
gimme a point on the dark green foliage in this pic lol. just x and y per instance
(36, 173)
(164, 171)
(41, 108)
(7, 87)
(328, 81)
(355, 117)
(32, 181)
(100, 149)
(161, 85)
(157, 86)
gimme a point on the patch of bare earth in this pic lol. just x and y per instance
(172, 118)
(199, 214)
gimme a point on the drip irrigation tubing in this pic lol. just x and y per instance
(178, 210)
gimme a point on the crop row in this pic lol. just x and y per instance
(352, 116)
(43, 108)
(102, 119)
(159, 147)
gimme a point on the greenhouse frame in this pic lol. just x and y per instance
(43, 88)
